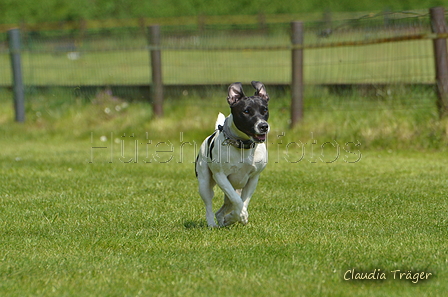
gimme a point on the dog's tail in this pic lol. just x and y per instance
(220, 121)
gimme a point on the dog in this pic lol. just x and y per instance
(234, 155)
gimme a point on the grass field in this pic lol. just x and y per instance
(74, 224)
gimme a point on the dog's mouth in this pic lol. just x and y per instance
(259, 137)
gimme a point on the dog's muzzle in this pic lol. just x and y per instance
(261, 131)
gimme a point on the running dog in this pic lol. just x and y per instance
(234, 155)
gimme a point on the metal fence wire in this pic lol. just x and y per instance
(339, 50)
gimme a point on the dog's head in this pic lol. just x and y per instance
(250, 114)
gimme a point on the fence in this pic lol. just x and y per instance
(366, 50)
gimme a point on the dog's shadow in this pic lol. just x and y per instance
(195, 224)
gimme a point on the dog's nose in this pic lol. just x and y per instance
(263, 127)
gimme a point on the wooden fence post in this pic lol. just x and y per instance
(156, 70)
(438, 25)
(16, 65)
(297, 73)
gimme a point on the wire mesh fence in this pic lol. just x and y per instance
(340, 51)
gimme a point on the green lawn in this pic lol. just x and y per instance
(74, 228)
(74, 224)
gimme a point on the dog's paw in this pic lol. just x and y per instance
(244, 217)
(213, 226)
(220, 219)
(231, 218)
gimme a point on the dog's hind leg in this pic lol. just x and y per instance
(224, 210)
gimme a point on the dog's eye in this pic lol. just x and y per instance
(246, 111)
(264, 110)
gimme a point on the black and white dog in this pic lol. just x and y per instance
(234, 155)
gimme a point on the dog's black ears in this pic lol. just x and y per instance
(235, 93)
(260, 90)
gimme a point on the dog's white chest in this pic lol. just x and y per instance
(240, 165)
(241, 174)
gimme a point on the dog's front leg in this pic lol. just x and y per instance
(246, 194)
(225, 185)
